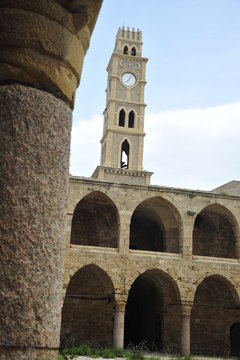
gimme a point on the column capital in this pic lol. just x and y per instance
(186, 308)
(47, 53)
(120, 301)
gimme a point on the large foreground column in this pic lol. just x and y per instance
(42, 46)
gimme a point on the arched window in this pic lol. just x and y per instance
(121, 121)
(125, 155)
(133, 51)
(131, 117)
(125, 50)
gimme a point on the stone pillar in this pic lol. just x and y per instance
(118, 326)
(186, 236)
(185, 329)
(42, 46)
(124, 233)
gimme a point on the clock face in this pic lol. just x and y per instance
(128, 79)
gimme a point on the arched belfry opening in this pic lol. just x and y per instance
(215, 309)
(155, 226)
(125, 149)
(88, 309)
(213, 233)
(95, 221)
(133, 51)
(125, 50)
(121, 120)
(152, 312)
(131, 118)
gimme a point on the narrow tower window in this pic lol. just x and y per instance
(133, 51)
(121, 121)
(131, 119)
(125, 50)
(125, 155)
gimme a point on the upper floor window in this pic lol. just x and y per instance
(133, 51)
(125, 50)
(131, 117)
(121, 121)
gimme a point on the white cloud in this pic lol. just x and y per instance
(193, 148)
(85, 146)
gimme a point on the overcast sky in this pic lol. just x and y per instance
(192, 118)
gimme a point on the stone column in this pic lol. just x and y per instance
(42, 46)
(124, 233)
(118, 326)
(185, 329)
(186, 236)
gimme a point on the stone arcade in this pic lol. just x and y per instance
(142, 262)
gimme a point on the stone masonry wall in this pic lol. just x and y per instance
(183, 270)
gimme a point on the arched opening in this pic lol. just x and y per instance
(152, 313)
(235, 340)
(133, 51)
(121, 120)
(125, 50)
(88, 309)
(125, 155)
(214, 311)
(131, 118)
(213, 233)
(95, 221)
(155, 226)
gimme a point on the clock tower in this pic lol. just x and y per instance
(123, 129)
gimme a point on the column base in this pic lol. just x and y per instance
(27, 353)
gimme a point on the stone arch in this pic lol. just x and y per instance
(132, 119)
(120, 150)
(95, 221)
(121, 117)
(133, 51)
(153, 312)
(215, 232)
(88, 309)
(215, 309)
(125, 50)
(156, 226)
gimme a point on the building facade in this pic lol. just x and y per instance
(147, 263)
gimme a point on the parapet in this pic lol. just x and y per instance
(129, 35)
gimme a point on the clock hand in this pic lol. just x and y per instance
(128, 79)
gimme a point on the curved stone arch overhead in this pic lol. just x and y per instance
(88, 306)
(160, 218)
(215, 309)
(224, 209)
(95, 221)
(168, 274)
(233, 286)
(152, 311)
(86, 191)
(85, 262)
(216, 232)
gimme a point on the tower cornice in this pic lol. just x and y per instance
(126, 132)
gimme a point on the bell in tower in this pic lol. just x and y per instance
(123, 130)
